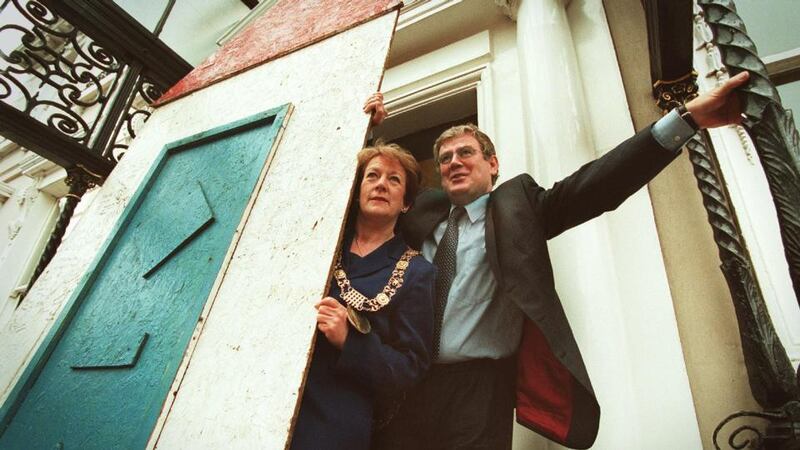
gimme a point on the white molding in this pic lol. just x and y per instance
(410, 97)
(466, 54)
(54, 183)
(782, 63)
(17, 170)
(788, 54)
(450, 70)
(7, 146)
(6, 191)
(49, 176)
(421, 10)
(34, 166)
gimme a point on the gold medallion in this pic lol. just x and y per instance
(382, 299)
(358, 321)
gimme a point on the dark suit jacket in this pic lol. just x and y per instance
(337, 407)
(554, 395)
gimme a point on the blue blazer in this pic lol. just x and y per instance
(337, 407)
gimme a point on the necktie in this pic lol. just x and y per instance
(445, 262)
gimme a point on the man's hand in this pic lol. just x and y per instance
(332, 321)
(374, 106)
(721, 106)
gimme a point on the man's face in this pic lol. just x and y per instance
(466, 174)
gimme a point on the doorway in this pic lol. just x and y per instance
(416, 130)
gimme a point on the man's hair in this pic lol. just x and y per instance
(403, 156)
(487, 147)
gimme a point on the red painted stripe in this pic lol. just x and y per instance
(286, 27)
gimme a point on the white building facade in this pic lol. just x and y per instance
(556, 84)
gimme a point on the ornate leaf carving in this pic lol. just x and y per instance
(769, 124)
(769, 370)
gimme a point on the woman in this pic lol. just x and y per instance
(375, 328)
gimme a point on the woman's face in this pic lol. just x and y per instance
(382, 188)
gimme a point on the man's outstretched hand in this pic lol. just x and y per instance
(720, 106)
(374, 106)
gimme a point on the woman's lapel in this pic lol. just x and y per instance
(384, 256)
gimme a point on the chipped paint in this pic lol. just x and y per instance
(273, 35)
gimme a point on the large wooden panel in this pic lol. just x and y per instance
(243, 384)
(239, 382)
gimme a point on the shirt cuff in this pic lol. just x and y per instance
(672, 132)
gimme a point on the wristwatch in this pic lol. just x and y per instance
(687, 117)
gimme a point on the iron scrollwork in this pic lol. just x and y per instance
(62, 78)
(146, 94)
(782, 430)
(57, 75)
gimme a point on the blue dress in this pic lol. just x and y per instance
(337, 407)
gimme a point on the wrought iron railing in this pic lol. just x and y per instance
(76, 84)
(56, 75)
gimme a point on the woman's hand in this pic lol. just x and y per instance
(332, 321)
(374, 106)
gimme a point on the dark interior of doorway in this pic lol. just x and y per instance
(417, 129)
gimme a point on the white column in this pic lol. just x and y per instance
(609, 272)
(552, 93)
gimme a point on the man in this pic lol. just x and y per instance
(497, 315)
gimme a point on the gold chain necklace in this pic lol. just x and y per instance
(358, 300)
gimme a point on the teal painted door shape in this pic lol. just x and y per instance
(100, 378)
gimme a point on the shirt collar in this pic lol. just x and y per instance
(476, 210)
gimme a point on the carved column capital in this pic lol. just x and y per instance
(509, 7)
(81, 180)
(673, 93)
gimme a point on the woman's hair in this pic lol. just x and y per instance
(403, 156)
